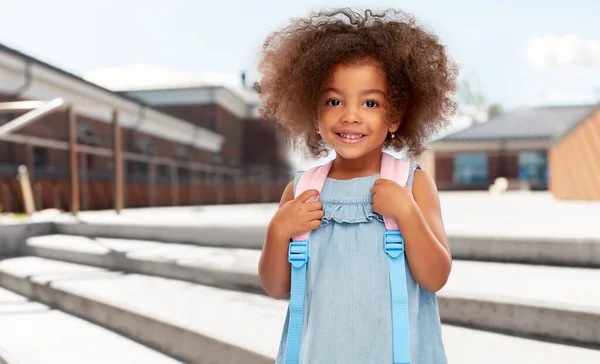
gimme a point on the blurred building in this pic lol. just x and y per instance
(212, 126)
(540, 148)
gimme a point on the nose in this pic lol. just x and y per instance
(351, 114)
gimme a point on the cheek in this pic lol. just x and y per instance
(381, 130)
(326, 116)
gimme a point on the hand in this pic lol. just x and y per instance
(298, 216)
(391, 199)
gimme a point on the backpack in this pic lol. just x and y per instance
(394, 169)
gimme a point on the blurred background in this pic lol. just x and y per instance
(137, 180)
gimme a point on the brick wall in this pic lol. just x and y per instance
(216, 118)
(444, 168)
(263, 144)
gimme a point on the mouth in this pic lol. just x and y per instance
(350, 138)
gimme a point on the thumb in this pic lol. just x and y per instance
(306, 195)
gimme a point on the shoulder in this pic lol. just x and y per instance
(424, 187)
(290, 190)
(422, 178)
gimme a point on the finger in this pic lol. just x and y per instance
(312, 206)
(306, 195)
(315, 215)
(314, 224)
(381, 181)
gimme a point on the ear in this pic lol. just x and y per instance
(395, 124)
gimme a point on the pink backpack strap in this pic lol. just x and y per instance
(398, 171)
(312, 179)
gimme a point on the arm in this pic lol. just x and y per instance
(273, 266)
(421, 224)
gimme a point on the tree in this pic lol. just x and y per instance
(494, 110)
(473, 102)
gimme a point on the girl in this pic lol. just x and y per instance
(356, 84)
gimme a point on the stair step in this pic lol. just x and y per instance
(207, 324)
(198, 324)
(222, 267)
(33, 333)
(503, 234)
(466, 346)
(543, 301)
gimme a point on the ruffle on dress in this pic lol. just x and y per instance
(344, 212)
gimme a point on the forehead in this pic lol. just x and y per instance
(364, 75)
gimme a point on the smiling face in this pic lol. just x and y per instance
(352, 110)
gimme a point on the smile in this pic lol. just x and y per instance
(350, 138)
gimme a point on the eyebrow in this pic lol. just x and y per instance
(363, 92)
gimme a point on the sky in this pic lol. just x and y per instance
(518, 53)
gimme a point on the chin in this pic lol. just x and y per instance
(350, 153)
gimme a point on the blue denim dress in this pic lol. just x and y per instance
(347, 312)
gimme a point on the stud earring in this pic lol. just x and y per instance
(393, 135)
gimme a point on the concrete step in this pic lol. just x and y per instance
(203, 324)
(195, 323)
(246, 228)
(222, 267)
(33, 333)
(540, 301)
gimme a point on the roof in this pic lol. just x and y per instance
(55, 82)
(547, 123)
(143, 77)
(84, 80)
(71, 75)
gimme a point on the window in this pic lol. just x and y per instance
(533, 166)
(163, 171)
(201, 176)
(227, 178)
(183, 153)
(216, 158)
(470, 168)
(11, 153)
(39, 157)
(183, 173)
(141, 169)
(86, 134)
(145, 146)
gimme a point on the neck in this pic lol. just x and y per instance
(366, 165)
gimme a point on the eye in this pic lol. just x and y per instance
(371, 103)
(333, 102)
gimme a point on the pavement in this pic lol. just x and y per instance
(231, 319)
(138, 300)
(33, 333)
(513, 214)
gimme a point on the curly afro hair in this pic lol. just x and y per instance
(297, 60)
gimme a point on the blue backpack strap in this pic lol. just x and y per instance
(298, 257)
(298, 254)
(401, 172)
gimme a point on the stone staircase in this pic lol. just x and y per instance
(103, 292)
